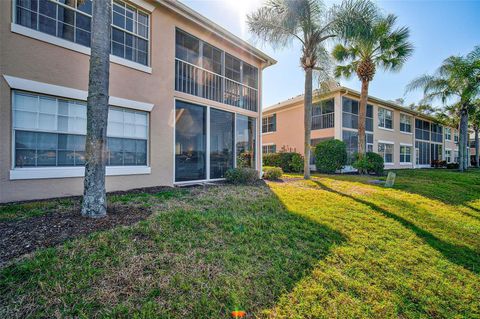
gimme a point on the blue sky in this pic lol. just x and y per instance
(438, 29)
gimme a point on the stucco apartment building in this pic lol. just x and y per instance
(405, 138)
(185, 97)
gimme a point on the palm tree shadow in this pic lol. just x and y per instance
(460, 255)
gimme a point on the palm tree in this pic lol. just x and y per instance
(280, 22)
(384, 46)
(457, 78)
(94, 202)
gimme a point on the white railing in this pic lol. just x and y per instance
(323, 121)
(192, 79)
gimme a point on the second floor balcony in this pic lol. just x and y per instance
(323, 121)
(195, 80)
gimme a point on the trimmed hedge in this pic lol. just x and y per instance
(371, 163)
(241, 175)
(330, 156)
(289, 162)
(272, 173)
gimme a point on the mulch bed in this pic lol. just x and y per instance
(21, 237)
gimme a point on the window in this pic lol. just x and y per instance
(222, 131)
(71, 20)
(405, 123)
(250, 75)
(50, 131)
(448, 156)
(351, 139)
(323, 114)
(269, 123)
(187, 47)
(130, 30)
(350, 115)
(455, 136)
(436, 152)
(386, 151)
(422, 130)
(456, 156)
(267, 149)
(246, 141)
(232, 68)
(385, 118)
(448, 134)
(212, 58)
(405, 154)
(436, 133)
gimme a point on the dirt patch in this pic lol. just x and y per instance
(18, 238)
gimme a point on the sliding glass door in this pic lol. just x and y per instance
(221, 142)
(227, 134)
(190, 142)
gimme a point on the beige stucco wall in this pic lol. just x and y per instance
(28, 58)
(290, 129)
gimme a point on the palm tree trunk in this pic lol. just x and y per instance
(307, 121)
(361, 121)
(94, 196)
(463, 134)
(477, 146)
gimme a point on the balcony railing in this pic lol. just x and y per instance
(323, 121)
(192, 79)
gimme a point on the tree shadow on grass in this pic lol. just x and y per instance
(223, 248)
(448, 186)
(460, 255)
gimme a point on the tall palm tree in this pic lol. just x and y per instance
(94, 202)
(385, 47)
(280, 22)
(458, 78)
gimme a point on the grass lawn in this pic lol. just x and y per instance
(335, 246)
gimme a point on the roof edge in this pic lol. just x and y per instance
(342, 89)
(189, 13)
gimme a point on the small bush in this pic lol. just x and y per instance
(453, 165)
(289, 162)
(241, 175)
(371, 163)
(244, 159)
(330, 156)
(272, 173)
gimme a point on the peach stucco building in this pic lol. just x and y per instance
(185, 97)
(405, 138)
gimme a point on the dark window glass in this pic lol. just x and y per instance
(221, 142)
(250, 75)
(212, 58)
(190, 142)
(232, 67)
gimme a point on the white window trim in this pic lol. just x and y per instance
(34, 34)
(411, 153)
(412, 124)
(393, 119)
(393, 154)
(68, 172)
(66, 92)
(387, 129)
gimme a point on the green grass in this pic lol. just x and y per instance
(335, 246)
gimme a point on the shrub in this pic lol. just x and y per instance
(371, 163)
(244, 159)
(241, 175)
(330, 156)
(289, 162)
(453, 165)
(272, 173)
